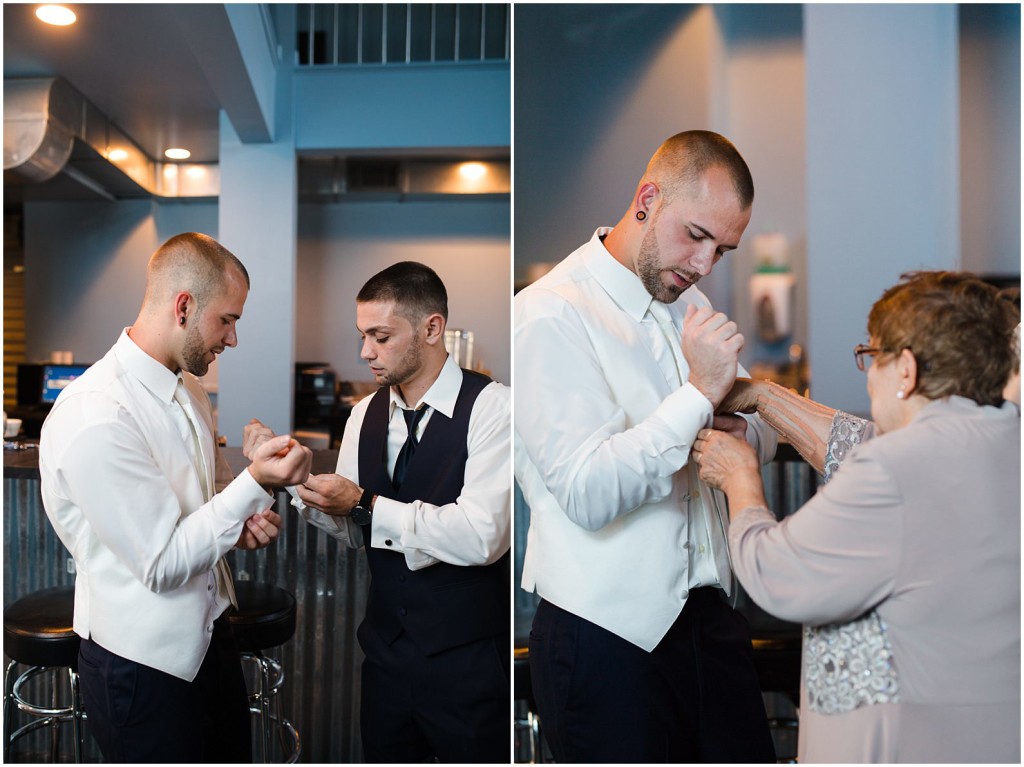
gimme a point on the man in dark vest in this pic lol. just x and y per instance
(423, 483)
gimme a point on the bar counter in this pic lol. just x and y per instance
(321, 662)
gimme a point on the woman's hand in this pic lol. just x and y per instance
(731, 465)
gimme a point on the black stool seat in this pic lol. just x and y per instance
(37, 629)
(265, 616)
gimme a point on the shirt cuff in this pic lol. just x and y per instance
(394, 524)
(684, 412)
(390, 520)
(242, 498)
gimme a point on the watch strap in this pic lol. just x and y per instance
(366, 499)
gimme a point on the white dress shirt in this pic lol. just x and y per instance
(620, 528)
(122, 488)
(472, 531)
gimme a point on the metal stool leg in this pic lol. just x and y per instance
(265, 693)
(9, 678)
(77, 730)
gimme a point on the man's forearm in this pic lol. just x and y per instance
(804, 423)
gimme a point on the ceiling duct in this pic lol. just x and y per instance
(361, 179)
(57, 145)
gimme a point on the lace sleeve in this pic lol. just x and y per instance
(848, 431)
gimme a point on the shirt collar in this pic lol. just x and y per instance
(622, 285)
(441, 395)
(152, 374)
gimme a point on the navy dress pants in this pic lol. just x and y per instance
(694, 698)
(138, 714)
(453, 706)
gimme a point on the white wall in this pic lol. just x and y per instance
(341, 246)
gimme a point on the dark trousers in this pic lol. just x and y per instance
(454, 705)
(694, 698)
(139, 714)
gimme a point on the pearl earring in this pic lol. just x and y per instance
(901, 394)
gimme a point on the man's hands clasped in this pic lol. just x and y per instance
(330, 493)
(280, 461)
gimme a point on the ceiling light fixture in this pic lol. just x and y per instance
(176, 153)
(195, 171)
(116, 155)
(472, 170)
(57, 15)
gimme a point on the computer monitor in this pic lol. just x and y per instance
(56, 377)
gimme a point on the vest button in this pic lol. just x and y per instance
(401, 611)
(387, 541)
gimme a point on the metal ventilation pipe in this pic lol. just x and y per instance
(42, 116)
(45, 116)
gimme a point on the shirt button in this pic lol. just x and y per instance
(210, 628)
(387, 541)
(401, 611)
(700, 549)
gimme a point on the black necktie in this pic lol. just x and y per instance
(412, 420)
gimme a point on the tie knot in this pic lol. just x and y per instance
(413, 418)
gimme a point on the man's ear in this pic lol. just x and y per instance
(182, 303)
(434, 324)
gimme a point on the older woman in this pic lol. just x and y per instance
(905, 568)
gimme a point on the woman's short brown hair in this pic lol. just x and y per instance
(959, 329)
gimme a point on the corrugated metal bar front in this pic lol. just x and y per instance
(321, 663)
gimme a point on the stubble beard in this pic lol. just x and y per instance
(649, 270)
(407, 367)
(194, 352)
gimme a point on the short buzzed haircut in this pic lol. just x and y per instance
(680, 162)
(415, 288)
(193, 262)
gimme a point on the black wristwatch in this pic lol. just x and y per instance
(362, 512)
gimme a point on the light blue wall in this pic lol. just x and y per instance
(882, 170)
(589, 115)
(342, 246)
(85, 268)
(597, 89)
(880, 95)
(402, 107)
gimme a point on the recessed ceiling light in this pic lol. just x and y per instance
(472, 170)
(116, 155)
(195, 171)
(57, 15)
(176, 153)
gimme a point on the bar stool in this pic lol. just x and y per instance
(777, 649)
(265, 618)
(38, 634)
(523, 692)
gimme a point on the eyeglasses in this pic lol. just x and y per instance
(860, 351)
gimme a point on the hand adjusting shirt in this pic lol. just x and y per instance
(475, 530)
(605, 419)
